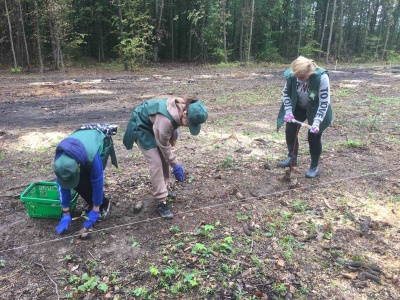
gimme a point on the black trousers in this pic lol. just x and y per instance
(314, 140)
(86, 192)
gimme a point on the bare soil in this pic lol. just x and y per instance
(241, 230)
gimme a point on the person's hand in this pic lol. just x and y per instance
(64, 223)
(288, 118)
(178, 172)
(314, 129)
(176, 134)
(92, 216)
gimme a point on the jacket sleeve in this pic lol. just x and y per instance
(287, 102)
(97, 180)
(324, 95)
(65, 196)
(163, 131)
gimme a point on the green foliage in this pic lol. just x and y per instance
(227, 162)
(354, 143)
(241, 216)
(154, 271)
(205, 230)
(280, 288)
(134, 242)
(311, 49)
(2, 263)
(87, 283)
(140, 292)
(16, 70)
(393, 56)
(175, 229)
(170, 271)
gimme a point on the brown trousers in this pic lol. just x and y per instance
(159, 172)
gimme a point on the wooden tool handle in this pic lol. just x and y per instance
(302, 124)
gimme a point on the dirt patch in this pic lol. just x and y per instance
(239, 230)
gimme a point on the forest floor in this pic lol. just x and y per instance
(242, 228)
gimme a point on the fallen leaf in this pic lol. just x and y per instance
(280, 262)
(74, 268)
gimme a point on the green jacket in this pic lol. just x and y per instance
(313, 100)
(140, 128)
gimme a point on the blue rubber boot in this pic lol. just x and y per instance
(313, 170)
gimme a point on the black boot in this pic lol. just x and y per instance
(286, 163)
(313, 170)
(164, 211)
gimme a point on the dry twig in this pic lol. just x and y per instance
(55, 284)
(229, 259)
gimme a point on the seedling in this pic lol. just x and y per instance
(87, 283)
(174, 229)
(227, 162)
(205, 230)
(154, 271)
(169, 272)
(279, 288)
(134, 242)
(243, 217)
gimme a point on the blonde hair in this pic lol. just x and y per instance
(303, 67)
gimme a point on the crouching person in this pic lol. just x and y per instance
(153, 126)
(79, 163)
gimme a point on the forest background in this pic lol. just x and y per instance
(55, 34)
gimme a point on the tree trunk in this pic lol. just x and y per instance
(11, 37)
(300, 25)
(330, 31)
(251, 30)
(190, 40)
(244, 14)
(380, 32)
(24, 36)
(38, 36)
(389, 22)
(53, 44)
(121, 32)
(224, 29)
(367, 27)
(340, 44)
(172, 28)
(157, 35)
(59, 53)
(323, 30)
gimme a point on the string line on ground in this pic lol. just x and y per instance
(205, 208)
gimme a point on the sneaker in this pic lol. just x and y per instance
(104, 211)
(164, 211)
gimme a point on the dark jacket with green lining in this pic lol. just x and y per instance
(313, 101)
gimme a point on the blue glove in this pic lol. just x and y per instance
(93, 216)
(64, 223)
(176, 134)
(178, 172)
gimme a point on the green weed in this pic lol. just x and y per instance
(279, 288)
(153, 270)
(240, 216)
(134, 243)
(354, 143)
(205, 230)
(227, 162)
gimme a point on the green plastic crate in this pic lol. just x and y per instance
(42, 200)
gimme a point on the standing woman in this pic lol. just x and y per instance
(153, 126)
(306, 96)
